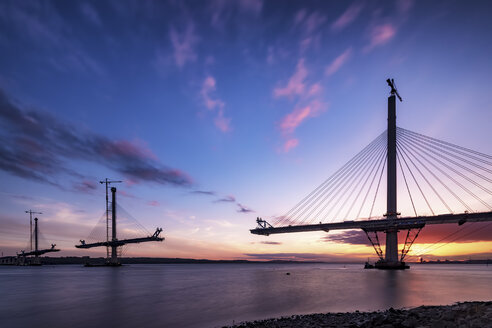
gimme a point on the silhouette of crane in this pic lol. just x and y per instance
(31, 212)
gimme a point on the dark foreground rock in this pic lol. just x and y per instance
(468, 314)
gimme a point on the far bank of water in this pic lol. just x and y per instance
(209, 295)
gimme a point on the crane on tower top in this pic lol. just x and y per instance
(392, 85)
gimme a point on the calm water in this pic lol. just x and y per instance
(209, 295)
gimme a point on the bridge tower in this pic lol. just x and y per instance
(36, 243)
(391, 256)
(114, 248)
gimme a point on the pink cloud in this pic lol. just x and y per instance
(125, 148)
(311, 22)
(153, 203)
(183, 45)
(309, 103)
(296, 84)
(315, 89)
(380, 34)
(222, 123)
(215, 104)
(86, 186)
(290, 144)
(126, 194)
(292, 120)
(311, 27)
(208, 87)
(338, 62)
(308, 22)
(347, 17)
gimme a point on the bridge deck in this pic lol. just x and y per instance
(120, 242)
(380, 225)
(39, 252)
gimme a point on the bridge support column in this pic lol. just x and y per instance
(114, 249)
(391, 253)
(36, 260)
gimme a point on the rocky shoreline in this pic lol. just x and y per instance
(467, 314)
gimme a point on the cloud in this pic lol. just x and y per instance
(46, 30)
(226, 199)
(270, 243)
(37, 146)
(309, 23)
(85, 186)
(244, 209)
(292, 120)
(296, 84)
(467, 233)
(222, 123)
(204, 192)
(183, 44)
(208, 87)
(380, 35)
(214, 104)
(348, 16)
(352, 237)
(338, 62)
(443, 233)
(308, 103)
(310, 26)
(290, 144)
(153, 203)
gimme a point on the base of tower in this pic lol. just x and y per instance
(383, 265)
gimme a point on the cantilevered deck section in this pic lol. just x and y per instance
(375, 225)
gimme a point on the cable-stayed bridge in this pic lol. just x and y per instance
(441, 182)
(108, 237)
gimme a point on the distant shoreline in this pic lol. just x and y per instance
(466, 314)
(159, 260)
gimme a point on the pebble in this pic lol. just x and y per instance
(466, 314)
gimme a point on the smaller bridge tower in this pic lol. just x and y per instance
(113, 243)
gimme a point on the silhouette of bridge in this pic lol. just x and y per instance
(439, 175)
(113, 244)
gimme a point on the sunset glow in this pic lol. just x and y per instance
(214, 113)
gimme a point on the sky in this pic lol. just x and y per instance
(213, 113)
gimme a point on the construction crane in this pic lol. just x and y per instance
(31, 212)
(391, 83)
(114, 242)
(36, 252)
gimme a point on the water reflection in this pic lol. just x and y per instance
(212, 295)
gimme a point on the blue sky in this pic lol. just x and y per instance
(215, 112)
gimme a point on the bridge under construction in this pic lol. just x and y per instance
(112, 243)
(31, 256)
(441, 167)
